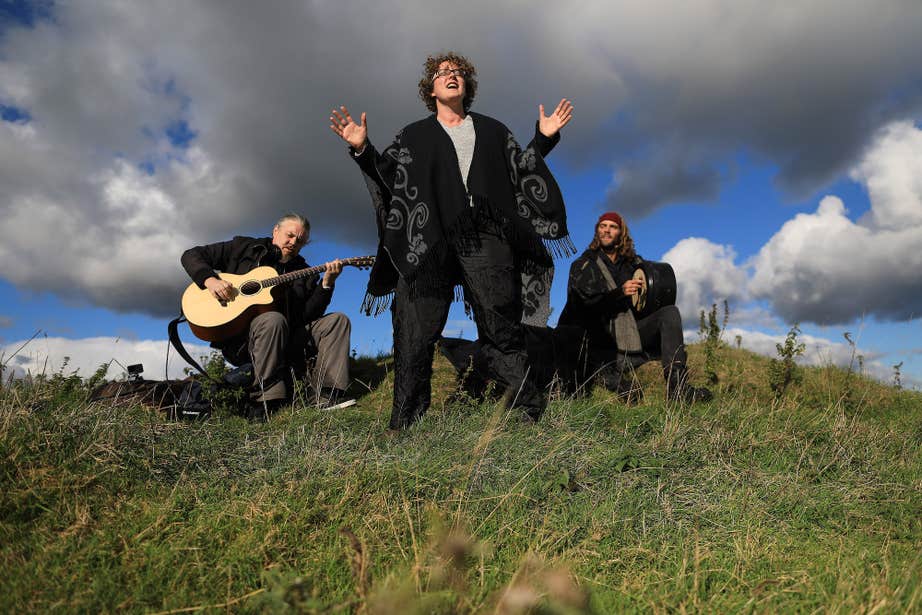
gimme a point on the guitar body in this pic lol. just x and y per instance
(212, 321)
(659, 287)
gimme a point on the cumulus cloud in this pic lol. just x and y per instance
(146, 129)
(705, 274)
(892, 172)
(51, 355)
(825, 268)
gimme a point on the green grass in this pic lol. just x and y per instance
(745, 504)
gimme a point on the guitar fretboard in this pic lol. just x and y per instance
(291, 276)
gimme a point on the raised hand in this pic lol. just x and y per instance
(549, 125)
(343, 125)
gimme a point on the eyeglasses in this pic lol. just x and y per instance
(444, 72)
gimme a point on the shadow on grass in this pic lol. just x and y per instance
(367, 373)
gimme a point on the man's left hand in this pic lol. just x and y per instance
(333, 269)
(550, 125)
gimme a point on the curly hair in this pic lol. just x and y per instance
(432, 64)
(625, 246)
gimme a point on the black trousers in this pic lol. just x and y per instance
(492, 286)
(660, 337)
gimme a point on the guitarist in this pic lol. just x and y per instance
(599, 294)
(299, 327)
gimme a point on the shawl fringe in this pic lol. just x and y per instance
(375, 306)
(560, 248)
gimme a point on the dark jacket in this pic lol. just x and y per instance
(301, 301)
(590, 301)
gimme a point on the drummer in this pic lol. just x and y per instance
(600, 291)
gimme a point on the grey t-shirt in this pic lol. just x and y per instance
(463, 136)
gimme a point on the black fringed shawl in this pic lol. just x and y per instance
(421, 203)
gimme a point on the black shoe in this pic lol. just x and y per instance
(679, 390)
(530, 416)
(687, 394)
(260, 411)
(257, 413)
(693, 395)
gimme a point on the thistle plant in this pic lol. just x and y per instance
(897, 376)
(711, 333)
(783, 370)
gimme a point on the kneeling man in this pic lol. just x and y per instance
(297, 328)
(599, 295)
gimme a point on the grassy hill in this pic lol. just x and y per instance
(750, 503)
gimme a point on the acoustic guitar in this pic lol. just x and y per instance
(213, 321)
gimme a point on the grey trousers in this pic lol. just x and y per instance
(268, 343)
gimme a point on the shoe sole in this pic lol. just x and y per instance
(340, 405)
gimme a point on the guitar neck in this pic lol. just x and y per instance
(291, 276)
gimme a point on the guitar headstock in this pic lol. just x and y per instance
(361, 262)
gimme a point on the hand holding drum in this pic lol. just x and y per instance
(655, 287)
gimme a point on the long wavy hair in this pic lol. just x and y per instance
(432, 64)
(625, 246)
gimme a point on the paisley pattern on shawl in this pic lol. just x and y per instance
(536, 297)
(422, 206)
(537, 196)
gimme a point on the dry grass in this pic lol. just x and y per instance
(807, 503)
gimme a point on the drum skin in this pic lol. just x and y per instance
(660, 287)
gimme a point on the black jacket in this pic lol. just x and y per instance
(301, 301)
(590, 302)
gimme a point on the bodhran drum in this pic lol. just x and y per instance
(658, 289)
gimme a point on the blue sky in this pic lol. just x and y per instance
(771, 154)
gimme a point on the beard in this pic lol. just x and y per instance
(610, 248)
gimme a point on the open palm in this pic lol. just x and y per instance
(342, 124)
(549, 125)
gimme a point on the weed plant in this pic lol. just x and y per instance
(711, 331)
(783, 371)
(750, 503)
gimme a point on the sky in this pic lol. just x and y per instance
(771, 152)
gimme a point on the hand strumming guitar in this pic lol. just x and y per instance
(221, 290)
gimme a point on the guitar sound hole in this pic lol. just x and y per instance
(250, 287)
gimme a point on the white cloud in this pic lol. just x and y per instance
(705, 274)
(892, 172)
(47, 355)
(824, 268)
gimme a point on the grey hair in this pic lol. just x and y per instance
(296, 218)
